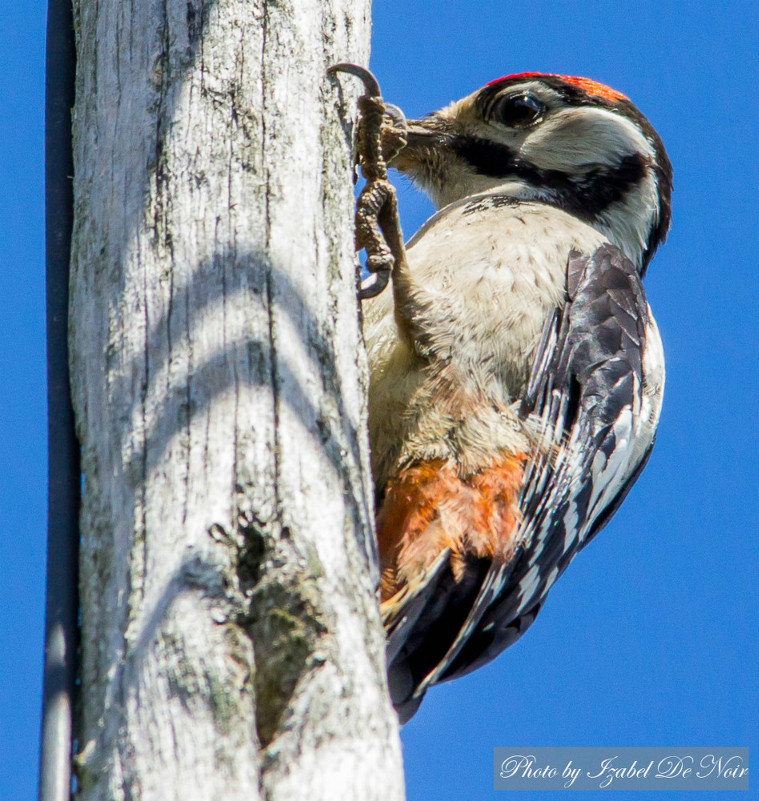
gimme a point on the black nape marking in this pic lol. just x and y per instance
(587, 195)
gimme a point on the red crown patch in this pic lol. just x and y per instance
(586, 84)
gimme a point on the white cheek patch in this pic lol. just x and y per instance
(582, 137)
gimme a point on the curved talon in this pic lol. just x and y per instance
(371, 84)
(397, 116)
(374, 284)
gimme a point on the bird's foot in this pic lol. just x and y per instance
(381, 136)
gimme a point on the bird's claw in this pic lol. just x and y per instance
(381, 136)
(371, 84)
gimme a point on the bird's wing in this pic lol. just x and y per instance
(584, 398)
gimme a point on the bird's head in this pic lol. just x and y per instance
(570, 142)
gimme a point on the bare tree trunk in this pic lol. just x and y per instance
(232, 647)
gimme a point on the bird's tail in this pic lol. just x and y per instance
(439, 534)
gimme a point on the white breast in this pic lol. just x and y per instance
(486, 272)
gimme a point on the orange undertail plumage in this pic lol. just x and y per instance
(428, 507)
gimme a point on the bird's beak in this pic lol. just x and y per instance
(420, 135)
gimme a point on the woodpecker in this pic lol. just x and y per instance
(516, 370)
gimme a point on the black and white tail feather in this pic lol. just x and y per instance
(583, 398)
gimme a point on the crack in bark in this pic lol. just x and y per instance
(282, 619)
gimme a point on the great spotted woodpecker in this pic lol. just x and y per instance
(516, 370)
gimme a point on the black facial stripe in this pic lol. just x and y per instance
(586, 195)
(493, 159)
(600, 188)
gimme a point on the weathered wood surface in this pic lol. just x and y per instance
(231, 640)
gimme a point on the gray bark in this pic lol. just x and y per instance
(232, 647)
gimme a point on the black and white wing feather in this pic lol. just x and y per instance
(588, 400)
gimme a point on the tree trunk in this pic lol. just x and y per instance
(232, 647)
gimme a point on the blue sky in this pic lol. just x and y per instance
(650, 638)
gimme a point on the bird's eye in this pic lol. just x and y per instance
(519, 111)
